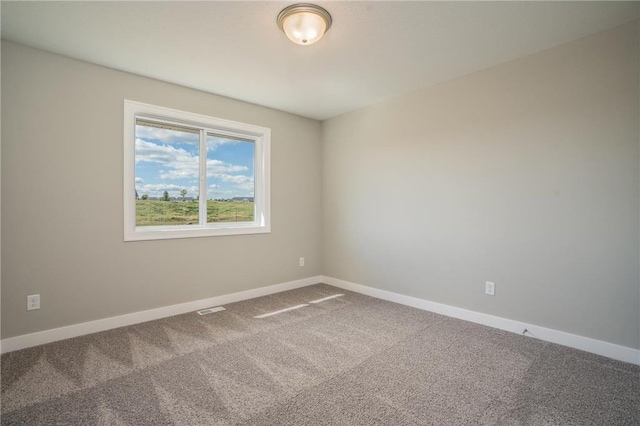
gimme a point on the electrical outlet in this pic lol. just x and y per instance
(490, 288)
(33, 302)
(302, 261)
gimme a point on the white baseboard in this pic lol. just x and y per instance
(609, 350)
(75, 330)
(587, 344)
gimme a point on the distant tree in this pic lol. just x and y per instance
(145, 196)
(136, 194)
(183, 193)
(165, 196)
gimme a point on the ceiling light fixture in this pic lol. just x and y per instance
(304, 23)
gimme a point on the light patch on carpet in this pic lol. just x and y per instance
(326, 298)
(98, 368)
(281, 311)
(108, 417)
(40, 383)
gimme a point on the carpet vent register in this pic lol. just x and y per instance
(208, 311)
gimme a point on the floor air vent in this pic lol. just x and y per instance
(210, 310)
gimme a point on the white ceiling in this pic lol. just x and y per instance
(374, 50)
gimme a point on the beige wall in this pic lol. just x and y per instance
(525, 174)
(62, 213)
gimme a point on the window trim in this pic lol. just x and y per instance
(262, 179)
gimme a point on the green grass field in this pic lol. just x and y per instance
(157, 213)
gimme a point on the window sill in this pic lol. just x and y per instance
(173, 232)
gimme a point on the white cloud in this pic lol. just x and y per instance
(190, 168)
(239, 182)
(213, 142)
(237, 179)
(217, 167)
(164, 154)
(139, 180)
(180, 163)
(248, 186)
(160, 187)
(166, 136)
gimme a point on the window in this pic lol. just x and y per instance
(189, 175)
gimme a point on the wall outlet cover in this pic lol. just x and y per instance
(33, 302)
(490, 288)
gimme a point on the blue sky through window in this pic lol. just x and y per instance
(168, 159)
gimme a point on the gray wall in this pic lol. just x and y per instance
(525, 174)
(62, 213)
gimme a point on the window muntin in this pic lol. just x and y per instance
(172, 191)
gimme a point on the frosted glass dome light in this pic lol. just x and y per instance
(304, 23)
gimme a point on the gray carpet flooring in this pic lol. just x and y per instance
(350, 360)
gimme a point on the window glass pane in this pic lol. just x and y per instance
(167, 169)
(230, 179)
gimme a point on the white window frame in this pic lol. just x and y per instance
(261, 136)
